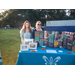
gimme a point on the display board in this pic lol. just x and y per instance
(55, 39)
(39, 38)
(68, 40)
(49, 38)
(39, 35)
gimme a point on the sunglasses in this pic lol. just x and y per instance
(38, 24)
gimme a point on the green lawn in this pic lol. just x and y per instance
(9, 45)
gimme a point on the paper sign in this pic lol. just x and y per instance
(60, 51)
(56, 43)
(51, 51)
(37, 35)
(37, 38)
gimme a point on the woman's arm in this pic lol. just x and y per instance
(22, 36)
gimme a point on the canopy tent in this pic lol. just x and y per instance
(60, 28)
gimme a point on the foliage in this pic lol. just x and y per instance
(16, 17)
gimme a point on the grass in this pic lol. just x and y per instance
(9, 46)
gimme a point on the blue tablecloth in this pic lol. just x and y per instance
(0, 59)
(42, 57)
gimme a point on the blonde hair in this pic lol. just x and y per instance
(24, 26)
(38, 22)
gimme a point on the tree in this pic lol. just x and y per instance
(16, 17)
(72, 13)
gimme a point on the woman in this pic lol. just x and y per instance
(26, 32)
(38, 28)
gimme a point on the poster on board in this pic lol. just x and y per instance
(55, 39)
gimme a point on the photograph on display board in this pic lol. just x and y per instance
(58, 39)
(39, 38)
(46, 37)
(41, 42)
(39, 35)
(68, 40)
(49, 38)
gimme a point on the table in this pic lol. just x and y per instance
(41, 57)
(0, 59)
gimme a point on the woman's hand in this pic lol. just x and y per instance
(23, 40)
